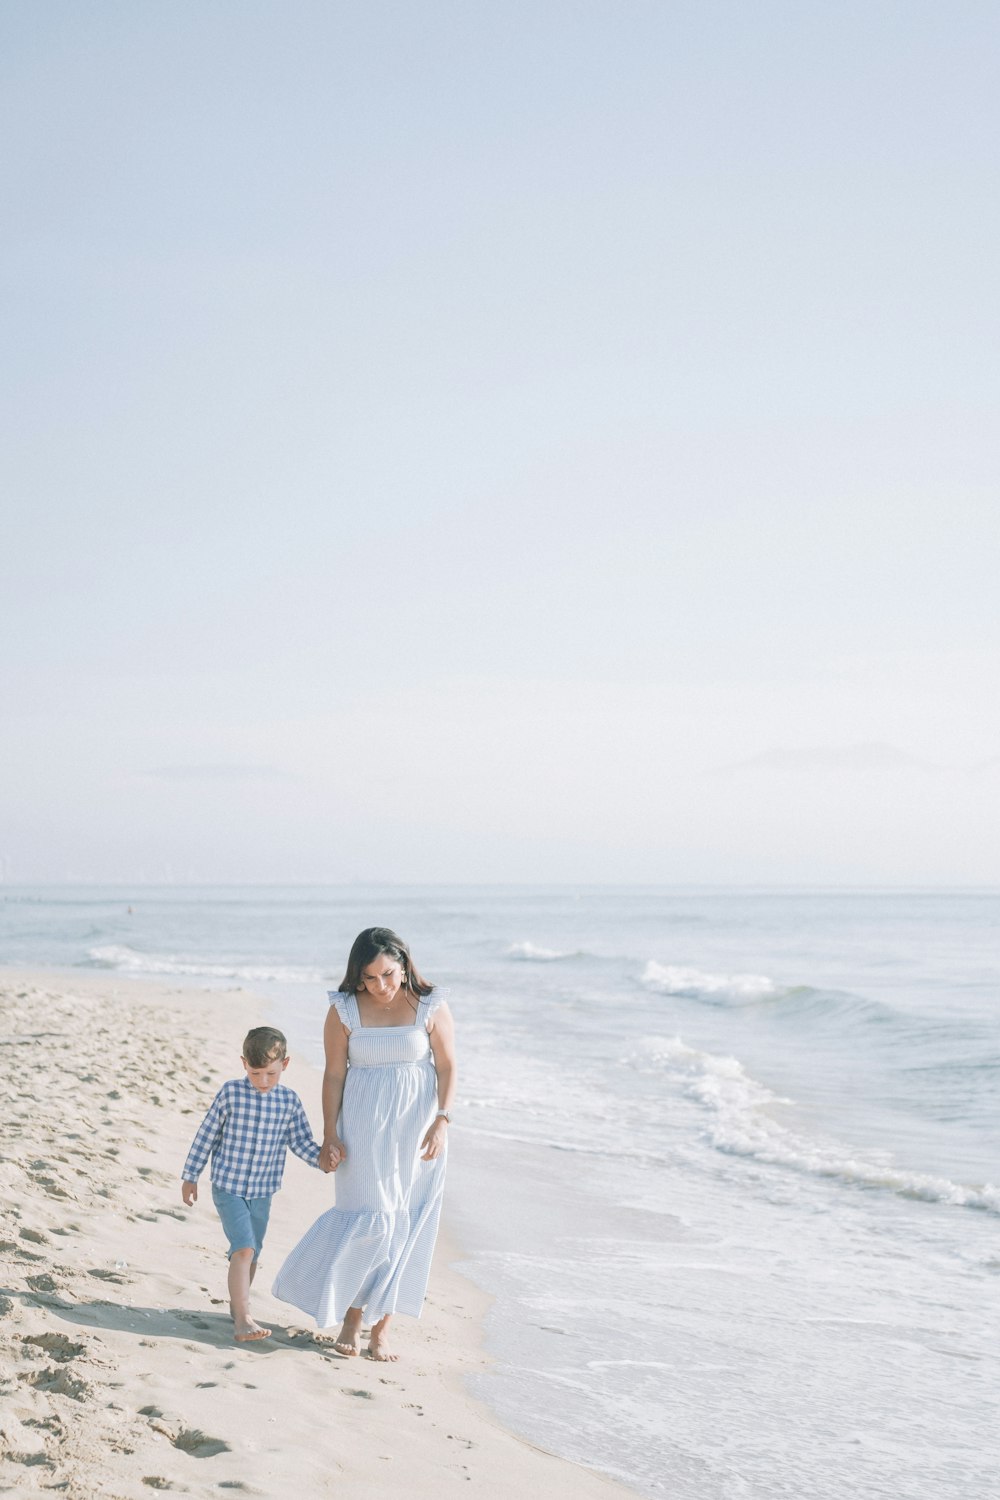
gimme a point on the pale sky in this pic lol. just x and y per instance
(496, 441)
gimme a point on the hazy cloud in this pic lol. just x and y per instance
(221, 773)
(873, 757)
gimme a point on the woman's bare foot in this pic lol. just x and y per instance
(348, 1341)
(247, 1331)
(378, 1341)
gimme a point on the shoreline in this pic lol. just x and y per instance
(120, 1373)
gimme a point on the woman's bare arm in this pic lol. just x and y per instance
(442, 1039)
(334, 1075)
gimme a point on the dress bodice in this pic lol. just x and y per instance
(384, 1046)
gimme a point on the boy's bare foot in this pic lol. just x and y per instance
(247, 1331)
(378, 1344)
(348, 1341)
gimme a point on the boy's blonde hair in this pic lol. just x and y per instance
(264, 1045)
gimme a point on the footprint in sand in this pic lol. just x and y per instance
(58, 1382)
(30, 1460)
(192, 1441)
(195, 1442)
(154, 1174)
(187, 1439)
(11, 1247)
(43, 1283)
(57, 1344)
(195, 1322)
(50, 1186)
(45, 1424)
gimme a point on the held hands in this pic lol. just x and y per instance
(332, 1154)
(433, 1142)
(189, 1192)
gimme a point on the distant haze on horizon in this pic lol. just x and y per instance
(500, 443)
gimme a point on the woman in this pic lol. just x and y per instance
(387, 1093)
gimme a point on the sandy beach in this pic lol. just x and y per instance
(119, 1373)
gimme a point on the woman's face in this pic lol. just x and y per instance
(382, 978)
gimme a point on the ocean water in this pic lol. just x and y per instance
(728, 1161)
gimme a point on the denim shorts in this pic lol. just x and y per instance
(243, 1219)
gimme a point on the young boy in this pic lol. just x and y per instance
(249, 1124)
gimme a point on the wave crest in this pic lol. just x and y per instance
(672, 979)
(742, 1126)
(125, 960)
(532, 953)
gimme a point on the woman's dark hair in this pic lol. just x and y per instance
(370, 945)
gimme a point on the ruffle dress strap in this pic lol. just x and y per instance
(428, 1005)
(344, 1005)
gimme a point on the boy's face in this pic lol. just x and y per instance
(264, 1079)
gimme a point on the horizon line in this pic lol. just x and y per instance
(194, 885)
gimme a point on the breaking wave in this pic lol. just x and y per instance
(742, 1124)
(125, 960)
(672, 979)
(531, 953)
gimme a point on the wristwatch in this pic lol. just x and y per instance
(443, 1114)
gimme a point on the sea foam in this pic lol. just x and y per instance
(672, 979)
(742, 1125)
(532, 953)
(126, 960)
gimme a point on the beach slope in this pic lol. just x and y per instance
(118, 1371)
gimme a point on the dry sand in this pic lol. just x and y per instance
(118, 1371)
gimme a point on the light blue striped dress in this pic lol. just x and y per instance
(373, 1250)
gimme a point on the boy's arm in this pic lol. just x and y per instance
(300, 1136)
(208, 1136)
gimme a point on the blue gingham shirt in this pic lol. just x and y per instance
(246, 1133)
